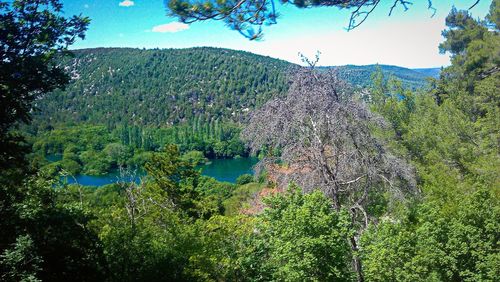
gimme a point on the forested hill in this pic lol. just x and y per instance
(160, 87)
(431, 72)
(411, 78)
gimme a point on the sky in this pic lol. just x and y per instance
(406, 38)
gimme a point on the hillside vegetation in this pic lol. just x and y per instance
(137, 101)
(162, 87)
(171, 86)
(361, 75)
(403, 186)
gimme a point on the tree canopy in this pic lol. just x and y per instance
(249, 16)
(32, 34)
(388, 184)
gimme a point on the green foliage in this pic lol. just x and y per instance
(362, 76)
(176, 178)
(153, 236)
(213, 193)
(195, 157)
(392, 100)
(42, 239)
(179, 226)
(100, 150)
(225, 250)
(70, 166)
(20, 263)
(240, 197)
(439, 246)
(297, 238)
(154, 246)
(202, 113)
(140, 158)
(148, 253)
(54, 235)
(244, 179)
(202, 87)
(28, 66)
(452, 137)
(306, 239)
(117, 153)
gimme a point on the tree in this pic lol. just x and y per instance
(324, 140)
(224, 251)
(474, 47)
(452, 136)
(244, 179)
(32, 34)
(297, 238)
(248, 16)
(118, 153)
(144, 238)
(21, 263)
(391, 100)
(438, 246)
(305, 238)
(177, 178)
(53, 239)
(48, 239)
(454, 129)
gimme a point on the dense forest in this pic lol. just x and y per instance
(167, 87)
(163, 87)
(98, 150)
(137, 101)
(388, 183)
(360, 76)
(172, 86)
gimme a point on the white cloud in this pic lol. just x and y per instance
(170, 27)
(126, 3)
(86, 6)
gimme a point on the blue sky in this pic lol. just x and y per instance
(407, 39)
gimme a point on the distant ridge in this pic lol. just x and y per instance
(361, 75)
(431, 72)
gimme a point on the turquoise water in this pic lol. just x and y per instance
(54, 157)
(99, 180)
(228, 169)
(220, 169)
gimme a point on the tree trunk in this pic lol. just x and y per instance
(355, 259)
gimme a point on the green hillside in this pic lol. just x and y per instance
(432, 72)
(162, 87)
(361, 75)
(123, 175)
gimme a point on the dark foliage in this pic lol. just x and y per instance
(32, 33)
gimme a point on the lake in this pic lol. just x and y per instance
(220, 169)
(228, 169)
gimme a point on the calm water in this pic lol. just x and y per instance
(100, 180)
(53, 157)
(228, 169)
(220, 169)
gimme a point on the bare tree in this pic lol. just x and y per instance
(134, 204)
(321, 137)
